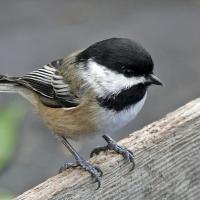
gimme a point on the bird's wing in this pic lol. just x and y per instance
(49, 83)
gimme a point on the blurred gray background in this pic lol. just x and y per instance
(33, 32)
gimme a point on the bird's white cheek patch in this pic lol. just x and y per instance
(105, 81)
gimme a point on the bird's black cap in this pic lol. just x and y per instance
(121, 55)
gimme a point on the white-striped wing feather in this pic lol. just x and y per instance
(49, 83)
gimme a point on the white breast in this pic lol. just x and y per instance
(115, 120)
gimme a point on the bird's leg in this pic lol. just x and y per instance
(112, 145)
(95, 171)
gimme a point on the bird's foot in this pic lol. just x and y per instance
(112, 145)
(95, 171)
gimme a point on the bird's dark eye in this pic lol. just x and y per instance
(128, 72)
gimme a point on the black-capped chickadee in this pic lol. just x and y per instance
(96, 90)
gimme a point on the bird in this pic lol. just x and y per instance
(93, 91)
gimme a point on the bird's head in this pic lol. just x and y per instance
(115, 64)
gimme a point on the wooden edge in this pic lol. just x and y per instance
(153, 133)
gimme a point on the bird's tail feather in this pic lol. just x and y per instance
(8, 84)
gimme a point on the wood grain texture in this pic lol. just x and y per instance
(167, 165)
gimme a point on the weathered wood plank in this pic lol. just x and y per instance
(167, 165)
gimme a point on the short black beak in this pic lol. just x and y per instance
(155, 80)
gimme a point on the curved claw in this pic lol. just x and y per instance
(112, 145)
(97, 150)
(127, 154)
(131, 159)
(99, 171)
(95, 171)
(66, 166)
(130, 152)
(133, 167)
(98, 182)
